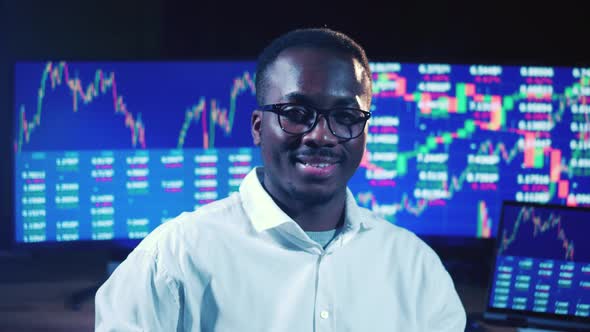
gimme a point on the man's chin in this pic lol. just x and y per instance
(319, 194)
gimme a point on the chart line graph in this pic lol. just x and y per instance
(551, 223)
(58, 74)
(215, 115)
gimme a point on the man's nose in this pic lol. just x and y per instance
(320, 135)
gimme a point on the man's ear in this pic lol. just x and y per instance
(257, 127)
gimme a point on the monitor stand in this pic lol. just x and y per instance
(75, 300)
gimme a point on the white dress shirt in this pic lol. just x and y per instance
(242, 264)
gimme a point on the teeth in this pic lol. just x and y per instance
(317, 165)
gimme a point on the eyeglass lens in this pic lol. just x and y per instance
(343, 122)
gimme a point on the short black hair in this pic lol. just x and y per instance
(318, 38)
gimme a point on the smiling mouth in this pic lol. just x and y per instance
(316, 165)
(317, 161)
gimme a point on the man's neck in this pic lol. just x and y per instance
(318, 217)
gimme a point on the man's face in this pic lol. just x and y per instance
(317, 165)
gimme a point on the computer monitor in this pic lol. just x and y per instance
(107, 151)
(541, 276)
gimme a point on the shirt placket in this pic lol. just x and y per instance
(324, 320)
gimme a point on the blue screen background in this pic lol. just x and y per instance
(447, 144)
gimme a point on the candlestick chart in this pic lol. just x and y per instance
(450, 143)
(446, 144)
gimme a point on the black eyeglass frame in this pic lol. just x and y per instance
(276, 108)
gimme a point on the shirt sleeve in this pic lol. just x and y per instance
(442, 305)
(138, 296)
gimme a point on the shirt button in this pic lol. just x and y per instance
(324, 314)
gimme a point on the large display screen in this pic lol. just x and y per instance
(110, 150)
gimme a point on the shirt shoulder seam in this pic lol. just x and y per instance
(153, 256)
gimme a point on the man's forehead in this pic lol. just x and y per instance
(317, 71)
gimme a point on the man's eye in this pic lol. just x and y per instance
(297, 114)
(346, 116)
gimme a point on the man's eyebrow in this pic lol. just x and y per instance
(298, 97)
(347, 101)
(305, 99)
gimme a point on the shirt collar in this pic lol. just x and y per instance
(265, 214)
(261, 209)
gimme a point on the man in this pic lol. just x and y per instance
(291, 251)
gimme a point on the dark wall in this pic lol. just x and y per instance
(464, 31)
(456, 31)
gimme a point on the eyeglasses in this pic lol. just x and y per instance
(296, 119)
